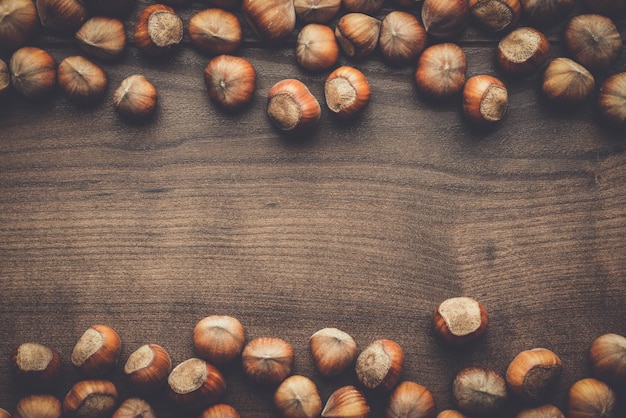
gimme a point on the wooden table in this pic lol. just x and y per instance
(365, 226)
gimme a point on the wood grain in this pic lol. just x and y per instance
(365, 226)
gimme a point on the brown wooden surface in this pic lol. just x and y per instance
(364, 226)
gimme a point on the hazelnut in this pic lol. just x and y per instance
(410, 400)
(4, 413)
(547, 12)
(291, 106)
(219, 338)
(97, 351)
(159, 30)
(231, 84)
(441, 71)
(532, 374)
(495, 15)
(271, 20)
(5, 78)
(33, 72)
(220, 410)
(523, 51)
(102, 37)
(35, 366)
(113, 8)
(147, 368)
(445, 19)
(136, 97)
(316, 47)
(567, 82)
(316, 11)
(297, 396)
(90, 399)
(485, 101)
(333, 351)
(347, 92)
(402, 37)
(64, 15)
(543, 411)
(450, 413)
(82, 81)
(267, 360)
(460, 320)
(38, 406)
(612, 99)
(591, 398)
(608, 358)
(134, 408)
(362, 6)
(195, 384)
(358, 34)
(481, 392)
(215, 31)
(607, 7)
(348, 402)
(380, 365)
(18, 20)
(593, 40)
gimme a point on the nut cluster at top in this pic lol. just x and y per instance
(420, 33)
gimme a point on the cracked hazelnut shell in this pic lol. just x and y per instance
(495, 15)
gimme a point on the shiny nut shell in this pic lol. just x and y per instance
(347, 401)
(402, 37)
(220, 338)
(135, 98)
(410, 400)
(38, 406)
(97, 351)
(291, 107)
(441, 71)
(316, 47)
(297, 396)
(445, 19)
(533, 373)
(591, 397)
(267, 360)
(485, 101)
(215, 31)
(90, 399)
(480, 392)
(357, 34)
(220, 411)
(134, 408)
(18, 20)
(4, 413)
(35, 366)
(102, 37)
(272, 20)
(147, 368)
(567, 82)
(195, 384)
(593, 40)
(82, 81)
(347, 92)
(333, 351)
(612, 99)
(607, 356)
(62, 15)
(33, 72)
(380, 365)
(316, 11)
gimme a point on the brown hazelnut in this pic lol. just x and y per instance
(38, 406)
(485, 101)
(297, 396)
(33, 72)
(410, 400)
(591, 398)
(523, 51)
(316, 11)
(136, 97)
(495, 15)
(445, 19)
(230, 81)
(18, 20)
(4, 413)
(362, 6)
(220, 410)
(460, 320)
(219, 338)
(215, 31)
(593, 40)
(316, 47)
(441, 71)
(480, 392)
(612, 99)
(333, 351)
(380, 365)
(610, 8)
(35, 366)
(97, 351)
(547, 12)
(543, 411)
(348, 402)
(271, 20)
(533, 373)
(113, 8)
(358, 34)
(402, 37)
(291, 106)
(195, 384)
(63, 15)
(347, 92)
(267, 360)
(159, 30)
(102, 37)
(5, 78)
(134, 408)
(90, 399)
(82, 81)
(147, 368)
(607, 356)
(567, 82)
(450, 413)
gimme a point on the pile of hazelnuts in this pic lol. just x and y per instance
(196, 386)
(591, 38)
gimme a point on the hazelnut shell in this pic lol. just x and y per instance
(357, 34)
(134, 408)
(220, 338)
(347, 401)
(215, 31)
(97, 351)
(195, 384)
(533, 373)
(102, 37)
(267, 360)
(411, 400)
(135, 98)
(62, 15)
(271, 20)
(38, 406)
(333, 351)
(158, 30)
(607, 356)
(33, 72)
(35, 366)
(380, 365)
(460, 320)
(231, 84)
(18, 21)
(292, 107)
(147, 368)
(90, 398)
(347, 92)
(220, 411)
